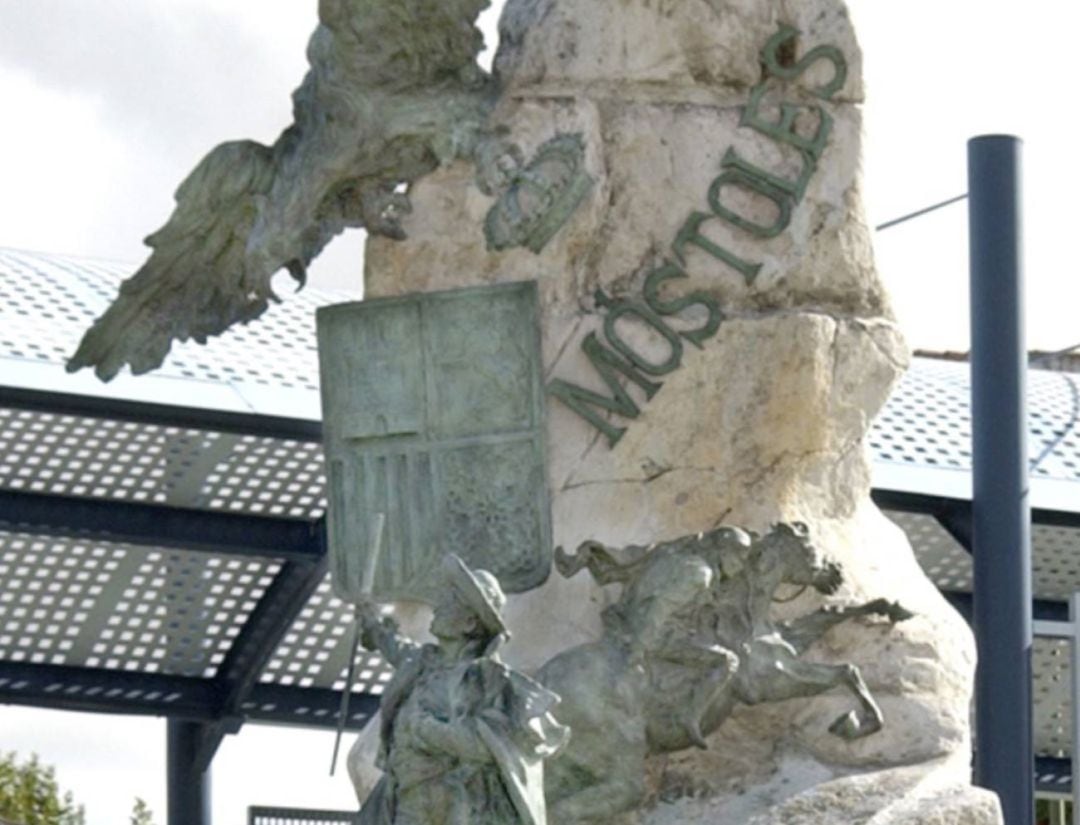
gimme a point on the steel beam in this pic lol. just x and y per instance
(163, 415)
(307, 707)
(1053, 775)
(904, 501)
(159, 525)
(255, 644)
(933, 505)
(1042, 610)
(956, 518)
(1055, 518)
(954, 514)
(98, 690)
(188, 787)
(1000, 504)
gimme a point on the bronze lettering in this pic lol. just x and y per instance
(771, 57)
(651, 292)
(795, 188)
(622, 309)
(752, 183)
(690, 233)
(779, 57)
(784, 130)
(606, 363)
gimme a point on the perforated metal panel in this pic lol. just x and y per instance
(269, 476)
(942, 558)
(158, 613)
(43, 300)
(927, 420)
(1055, 574)
(299, 816)
(1055, 552)
(48, 301)
(1055, 562)
(1050, 693)
(1054, 439)
(315, 651)
(121, 607)
(100, 458)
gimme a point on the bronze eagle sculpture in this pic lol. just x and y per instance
(393, 91)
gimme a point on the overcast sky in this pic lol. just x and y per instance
(108, 104)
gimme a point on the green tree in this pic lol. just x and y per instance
(141, 813)
(29, 794)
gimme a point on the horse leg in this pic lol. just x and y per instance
(707, 693)
(788, 678)
(853, 724)
(802, 632)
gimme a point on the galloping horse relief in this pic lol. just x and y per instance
(690, 637)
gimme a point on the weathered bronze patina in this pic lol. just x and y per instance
(434, 407)
(690, 637)
(464, 737)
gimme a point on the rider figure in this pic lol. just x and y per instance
(672, 635)
(668, 614)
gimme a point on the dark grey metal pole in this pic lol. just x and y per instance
(1001, 511)
(188, 787)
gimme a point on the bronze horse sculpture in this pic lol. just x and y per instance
(689, 639)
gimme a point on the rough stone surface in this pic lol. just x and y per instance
(803, 792)
(934, 794)
(766, 423)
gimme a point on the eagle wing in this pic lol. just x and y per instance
(196, 282)
(392, 82)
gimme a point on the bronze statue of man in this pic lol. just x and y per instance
(463, 736)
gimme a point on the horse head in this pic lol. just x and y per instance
(788, 545)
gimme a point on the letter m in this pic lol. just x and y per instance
(607, 364)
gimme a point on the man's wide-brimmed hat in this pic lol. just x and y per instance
(480, 591)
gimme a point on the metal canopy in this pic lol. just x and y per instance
(162, 543)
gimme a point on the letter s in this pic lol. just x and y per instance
(771, 56)
(651, 293)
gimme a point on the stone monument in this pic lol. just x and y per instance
(680, 180)
(715, 344)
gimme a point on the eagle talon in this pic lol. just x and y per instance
(298, 272)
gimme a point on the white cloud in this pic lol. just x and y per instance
(163, 71)
(54, 185)
(106, 126)
(937, 75)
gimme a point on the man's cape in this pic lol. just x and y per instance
(515, 725)
(521, 751)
